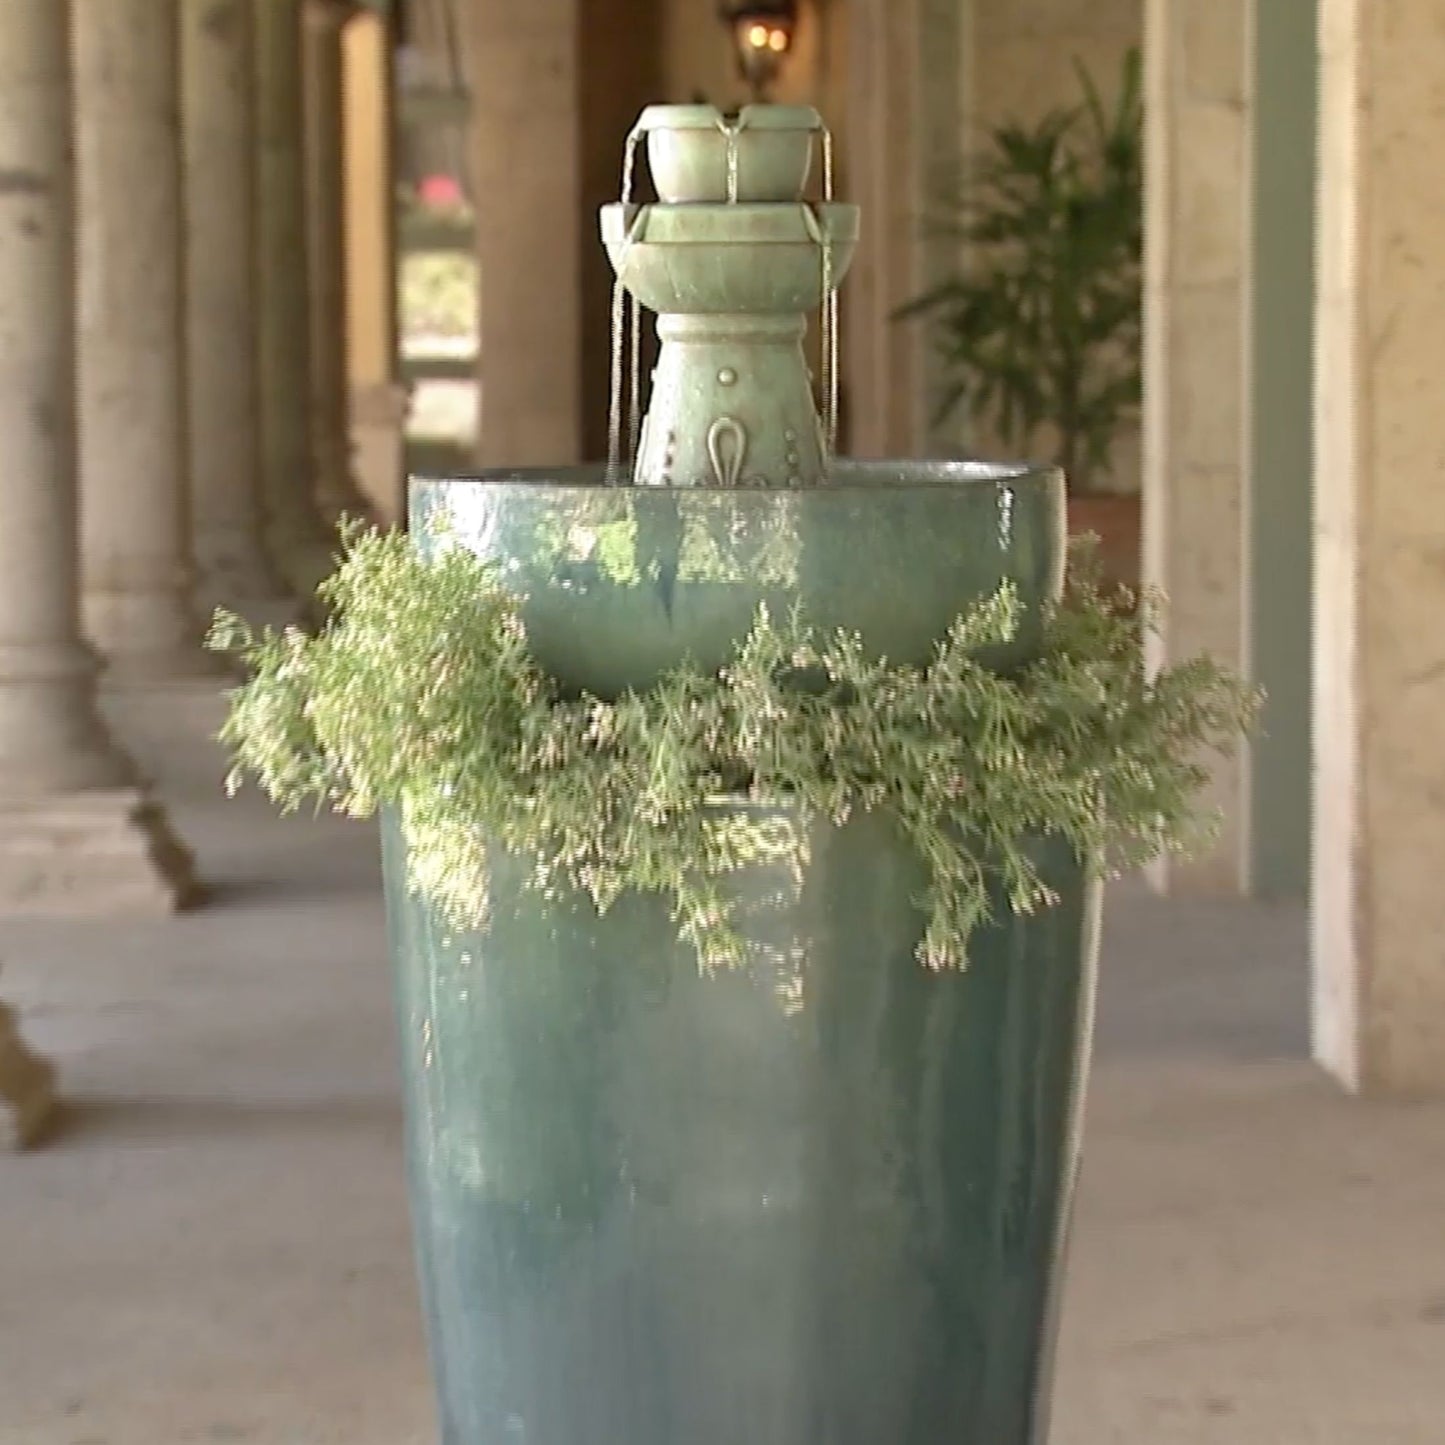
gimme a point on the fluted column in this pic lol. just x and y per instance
(222, 379)
(135, 546)
(336, 489)
(75, 833)
(298, 538)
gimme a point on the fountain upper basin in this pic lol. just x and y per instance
(722, 259)
(620, 584)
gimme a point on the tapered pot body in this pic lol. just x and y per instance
(819, 1199)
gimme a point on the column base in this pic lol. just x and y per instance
(278, 610)
(27, 1089)
(337, 492)
(169, 728)
(304, 563)
(85, 854)
(241, 580)
(146, 638)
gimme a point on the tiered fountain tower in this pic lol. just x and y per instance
(733, 259)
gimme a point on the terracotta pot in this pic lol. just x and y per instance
(1115, 520)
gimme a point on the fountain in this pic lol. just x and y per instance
(732, 261)
(820, 1198)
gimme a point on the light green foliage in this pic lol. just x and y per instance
(421, 694)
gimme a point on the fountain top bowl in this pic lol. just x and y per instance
(764, 153)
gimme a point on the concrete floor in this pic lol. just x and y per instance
(215, 1249)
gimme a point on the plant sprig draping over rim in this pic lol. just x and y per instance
(421, 694)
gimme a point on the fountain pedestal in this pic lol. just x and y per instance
(728, 368)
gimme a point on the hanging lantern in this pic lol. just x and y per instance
(763, 32)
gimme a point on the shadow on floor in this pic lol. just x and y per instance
(118, 1119)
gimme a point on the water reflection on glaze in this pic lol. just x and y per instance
(618, 582)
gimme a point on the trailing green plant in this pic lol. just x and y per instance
(421, 694)
(1040, 333)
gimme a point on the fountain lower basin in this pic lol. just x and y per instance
(619, 584)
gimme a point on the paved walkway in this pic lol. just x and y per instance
(216, 1248)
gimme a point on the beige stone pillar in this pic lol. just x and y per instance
(1378, 913)
(1195, 448)
(378, 404)
(222, 380)
(907, 62)
(75, 833)
(882, 380)
(299, 540)
(27, 1088)
(524, 63)
(325, 184)
(135, 547)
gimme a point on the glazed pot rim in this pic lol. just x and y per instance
(886, 476)
(709, 117)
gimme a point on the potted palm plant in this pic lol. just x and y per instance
(1039, 332)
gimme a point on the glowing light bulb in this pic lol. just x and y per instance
(778, 41)
(758, 37)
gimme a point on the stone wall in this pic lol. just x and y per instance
(1379, 909)
(1024, 52)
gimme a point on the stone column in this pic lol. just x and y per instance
(27, 1088)
(75, 833)
(881, 358)
(905, 132)
(222, 380)
(322, 23)
(300, 542)
(1378, 912)
(1195, 450)
(378, 402)
(135, 546)
(524, 63)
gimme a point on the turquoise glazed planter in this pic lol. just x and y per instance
(621, 583)
(818, 1200)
